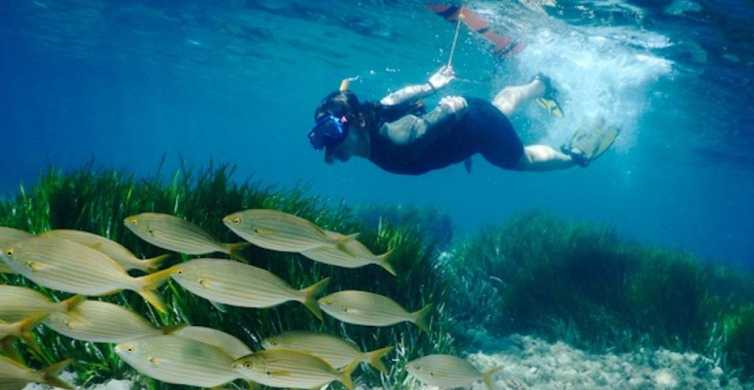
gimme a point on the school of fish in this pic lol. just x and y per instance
(88, 265)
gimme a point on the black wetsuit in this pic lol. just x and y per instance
(447, 140)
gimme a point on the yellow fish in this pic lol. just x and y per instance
(21, 329)
(335, 351)
(176, 234)
(179, 360)
(228, 343)
(447, 372)
(292, 369)
(15, 376)
(110, 248)
(18, 303)
(365, 308)
(7, 237)
(68, 266)
(101, 322)
(351, 254)
(236, 284)
(279, 231)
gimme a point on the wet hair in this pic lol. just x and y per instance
(339, 103)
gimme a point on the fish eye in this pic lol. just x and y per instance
(256, 230)
(235, 219)
(10, 252)
(179, 271)
(133, 221)
(268, 373)
(247, 365)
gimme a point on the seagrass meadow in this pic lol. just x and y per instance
(533, 274)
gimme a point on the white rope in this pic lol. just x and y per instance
(455, 38)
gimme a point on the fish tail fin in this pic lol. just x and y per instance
(154, 299)
(345, 374)
(71, 303)
(148, 284)
(383, 261)
(152, 264)
(374, 358)
(420, 318)
(487, 377)
(310, 297)
(26, 326)
(234, 249)
(50, 374)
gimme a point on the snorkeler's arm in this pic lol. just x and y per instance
(409, 94)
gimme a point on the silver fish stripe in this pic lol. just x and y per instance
(351, 254)
(71, 267)
(447, 371)
(101, 322)
(278, 231)
(292, 369)
(110, 248)
(17, 303)
(10, 235)
(335, 351)
(226, 342)
(236, 284)
(174, 234)
(365, 308)
(179, 360)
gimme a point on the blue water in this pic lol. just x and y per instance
(128, 83)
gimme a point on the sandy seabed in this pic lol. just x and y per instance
(532, 363)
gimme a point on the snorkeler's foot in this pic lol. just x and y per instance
(587, 145)
(548, 100)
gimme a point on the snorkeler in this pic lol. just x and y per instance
(400, 136)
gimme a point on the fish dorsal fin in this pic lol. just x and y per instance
(467, 164)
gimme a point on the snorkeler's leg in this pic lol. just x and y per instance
(510, 98)
(544, 158)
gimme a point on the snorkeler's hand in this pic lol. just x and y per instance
(454, 104)
(442, 77)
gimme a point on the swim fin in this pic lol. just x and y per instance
(549, 101)
(587, 145)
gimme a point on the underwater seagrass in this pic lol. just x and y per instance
(205, 199)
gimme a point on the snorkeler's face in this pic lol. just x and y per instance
(343, 151)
